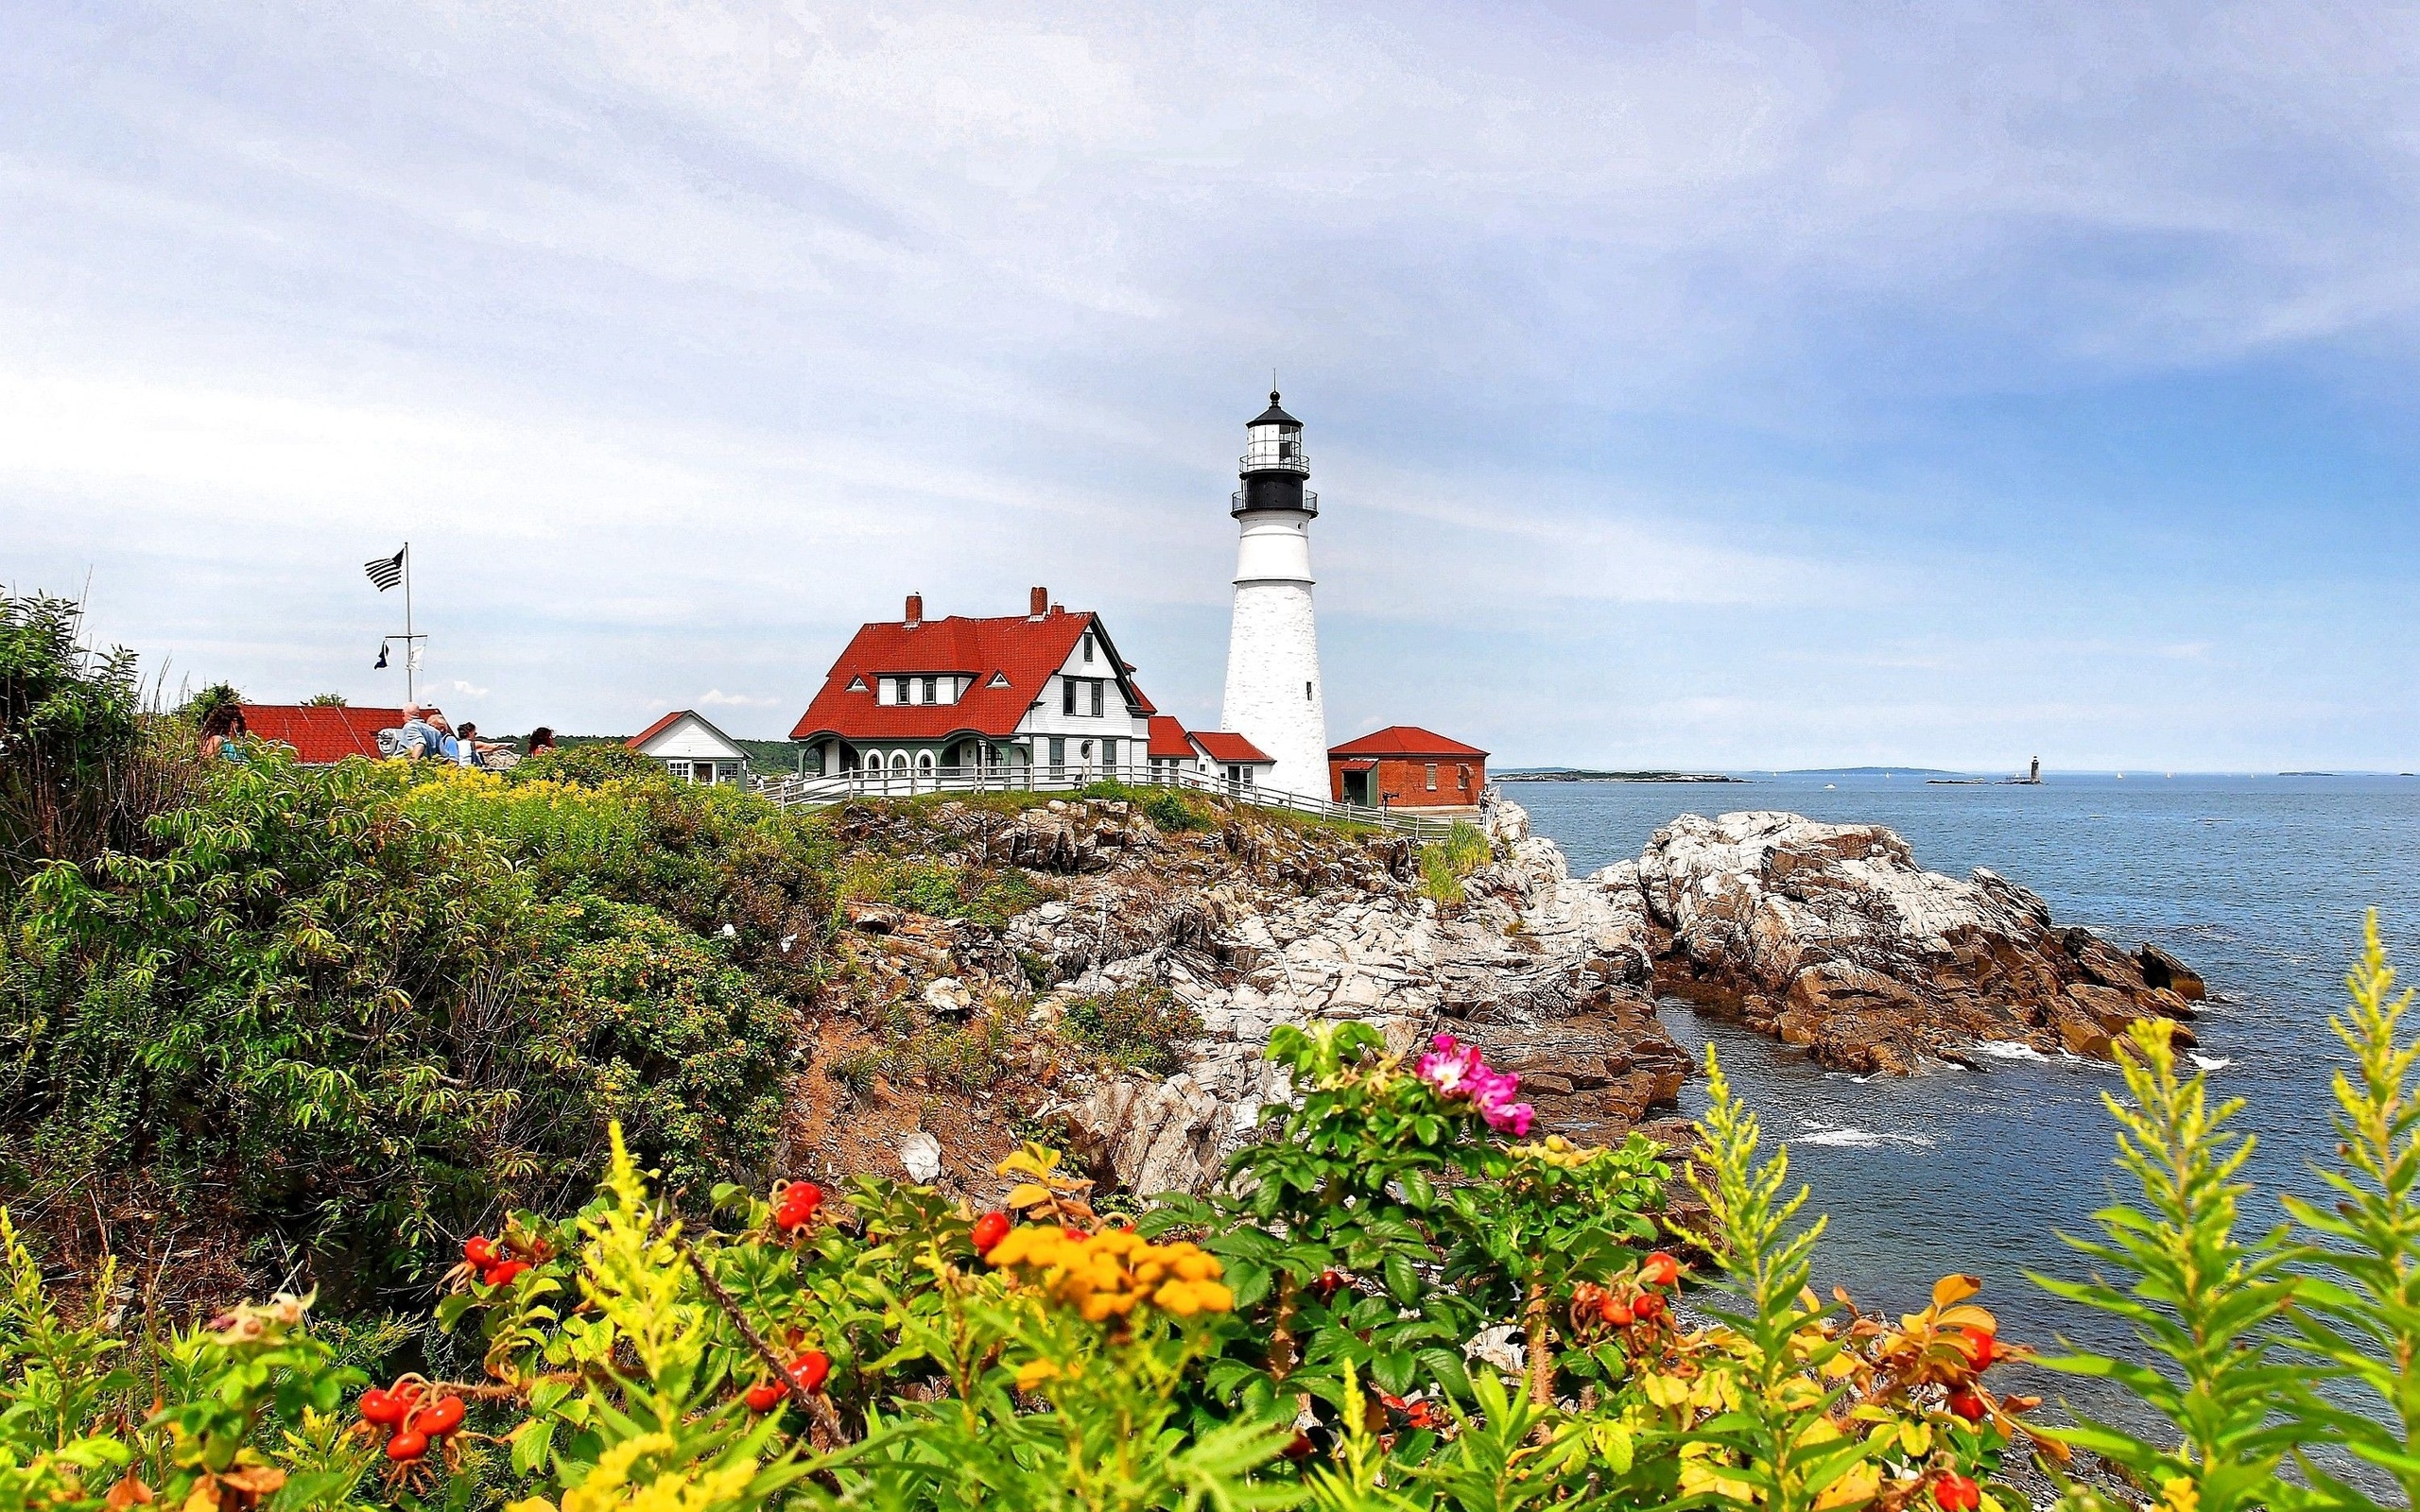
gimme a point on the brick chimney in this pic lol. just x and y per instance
(915, 609)
(1037, 602)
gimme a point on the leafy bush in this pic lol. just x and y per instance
(80, 766)
(1333, 1333)
(370, 1002)
(587, 764)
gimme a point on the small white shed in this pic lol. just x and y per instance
(692, 749)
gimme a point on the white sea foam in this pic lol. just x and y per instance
(2209, 1062)
(1850, 1137)
(2011, 1050)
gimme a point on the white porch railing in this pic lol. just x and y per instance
(894, 781)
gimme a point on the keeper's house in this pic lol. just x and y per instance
(1404, 767)
(1045, 689)
(686, 744)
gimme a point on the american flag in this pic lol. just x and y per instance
(385, 570)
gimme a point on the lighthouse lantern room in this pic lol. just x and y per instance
(1275, 694)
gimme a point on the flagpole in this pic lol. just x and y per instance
(411, 692)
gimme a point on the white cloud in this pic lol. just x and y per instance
(716, 697)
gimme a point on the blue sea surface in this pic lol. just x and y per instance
(2258, 883)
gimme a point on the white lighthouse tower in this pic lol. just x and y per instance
(1275, 697)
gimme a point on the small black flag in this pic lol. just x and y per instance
(387, 571)
(382, 655)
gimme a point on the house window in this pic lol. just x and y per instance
(1097, 687)
(1088, 646)
(1108, 753)
(1067, 695)
(932, 690)
(1432, 776)
(1306, 693)
(1059, 745)
(925, 762)
(898, 761)
(1463, 775)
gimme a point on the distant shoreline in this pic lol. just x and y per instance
(1566, 774)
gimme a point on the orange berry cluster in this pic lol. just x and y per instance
(1112, 1273)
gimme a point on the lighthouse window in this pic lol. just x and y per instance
(1285, 451)
(1306, 690)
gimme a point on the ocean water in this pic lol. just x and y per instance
(2258, 882)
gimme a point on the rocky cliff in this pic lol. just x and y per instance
(1256, 923)
(1830, 936)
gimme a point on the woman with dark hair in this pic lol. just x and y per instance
(221, 726)
(542, 740)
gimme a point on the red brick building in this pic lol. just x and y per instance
(1404, 767)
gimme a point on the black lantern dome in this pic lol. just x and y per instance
(1274, 466)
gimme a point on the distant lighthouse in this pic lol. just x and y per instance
(1275, 699)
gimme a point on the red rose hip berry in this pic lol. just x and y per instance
(480, 1251)
(1979, 1346)
(765, 1395)
(1969, 1405)
(989, 1230)
(1659, 1269)
(381, 1408)
(407, 1446)
(811, 1369)
(439, 1417)
(1956, 1493)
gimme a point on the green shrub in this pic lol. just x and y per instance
(1134, 1028)
(81, 767)
(369, 1003)
(588, 763)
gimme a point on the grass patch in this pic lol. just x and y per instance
(1444, 863)
(989, 896)
(965, 1059)
(1134, 1028)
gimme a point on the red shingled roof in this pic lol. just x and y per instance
(1169, 739)
(1028, 651)
(1228, 748)
(322, 733)
(1404, 740)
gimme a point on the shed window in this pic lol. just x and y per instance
(1432, 776)
(1464, 774)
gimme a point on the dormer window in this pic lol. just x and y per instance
(932, 690)
(856, 685)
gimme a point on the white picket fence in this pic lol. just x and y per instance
(875, 782)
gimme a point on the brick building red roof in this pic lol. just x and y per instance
(1404, 740)
(321, 735)
(1010, 659)
(1228, 748)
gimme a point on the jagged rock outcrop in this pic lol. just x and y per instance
(1547, 973)
(1830, 936)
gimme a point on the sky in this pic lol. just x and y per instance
(1686, 382)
